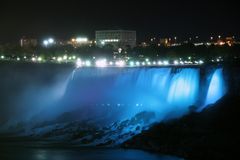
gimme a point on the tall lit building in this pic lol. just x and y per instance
(116, 38)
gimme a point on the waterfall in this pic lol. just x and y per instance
(115, 94)
(216, 88)
(124, 92)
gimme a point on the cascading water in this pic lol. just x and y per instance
(124, 92)
(216, 88)
(116, 102)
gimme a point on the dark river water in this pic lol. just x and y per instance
(18, 153)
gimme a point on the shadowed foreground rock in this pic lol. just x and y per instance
(211, 134)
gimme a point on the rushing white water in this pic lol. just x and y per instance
(107, 95)
(121, 93)
(216, 89)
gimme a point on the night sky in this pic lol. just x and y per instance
(66, 18)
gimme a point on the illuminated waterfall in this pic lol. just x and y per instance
(216, 87)
(184, 88)
(116, 94)
(128, 91)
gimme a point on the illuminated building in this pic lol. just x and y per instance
(230, 41)
(80, 41)
(28, 42)
(116, 38)
(165, 42)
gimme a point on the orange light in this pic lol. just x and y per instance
(221, 43)
(73, 40)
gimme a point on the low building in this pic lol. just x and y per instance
(28, 42)
(80, 41)
(116, 38)
(166, 42)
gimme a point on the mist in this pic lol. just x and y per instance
(37, 93)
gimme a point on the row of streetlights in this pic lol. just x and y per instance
(122, 63)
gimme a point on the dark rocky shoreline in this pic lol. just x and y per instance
(211, 134)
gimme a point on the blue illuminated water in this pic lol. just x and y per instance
(36, 153)
(114, 103)
(216, 87)
(107, 95)
(124, 92)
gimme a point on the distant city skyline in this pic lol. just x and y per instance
(65, 19)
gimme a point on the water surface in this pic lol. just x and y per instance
(78, 154)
